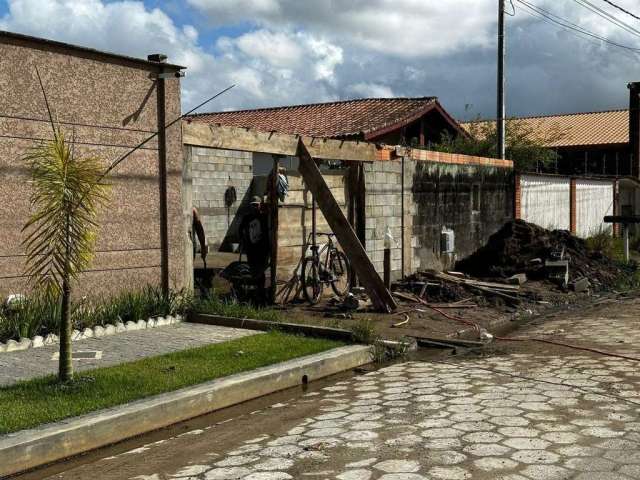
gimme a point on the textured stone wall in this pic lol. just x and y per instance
(108, 105)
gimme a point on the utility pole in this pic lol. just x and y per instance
(500, 127)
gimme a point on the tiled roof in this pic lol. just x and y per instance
(579, 129)
(365, 118)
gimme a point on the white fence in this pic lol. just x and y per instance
(594, 200)
(546, 201)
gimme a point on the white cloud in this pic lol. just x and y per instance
(278, 49)
(406, 28)
(297, 51)
(365, 90)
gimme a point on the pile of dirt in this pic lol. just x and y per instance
(521, 247)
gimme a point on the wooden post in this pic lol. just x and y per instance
(273, 210)
(402, 226)
(387, 268)
(381, 298)
(162, 173)
(625, 233)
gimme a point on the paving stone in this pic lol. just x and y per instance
(535, 457)
(398, 466)
(118, 348)
(449, 473)
(355, 475)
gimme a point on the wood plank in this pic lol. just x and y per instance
(476, 283)
(273, 212)
(231, 138)
(371, 281)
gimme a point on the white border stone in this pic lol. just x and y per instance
(95, 332)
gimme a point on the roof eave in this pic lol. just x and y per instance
(434, 105)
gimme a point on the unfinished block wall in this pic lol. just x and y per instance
(442, 195)
(295, 218)
(383, 208)
(214, 171)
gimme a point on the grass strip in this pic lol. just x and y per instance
(43, 400)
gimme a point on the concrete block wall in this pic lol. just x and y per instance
(213, 172)
(441, 195)
(383, 208)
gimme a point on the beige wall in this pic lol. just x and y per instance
(110, 106)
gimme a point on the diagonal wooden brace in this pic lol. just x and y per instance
(371, 281)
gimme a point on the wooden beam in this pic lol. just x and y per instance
(273, 211)
(202, 134)
(371, 281)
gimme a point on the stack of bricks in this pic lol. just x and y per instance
(213, 172)
(383, 208)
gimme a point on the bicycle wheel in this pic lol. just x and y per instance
(340, 271)
(311, 283)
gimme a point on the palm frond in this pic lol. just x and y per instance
(67, 192)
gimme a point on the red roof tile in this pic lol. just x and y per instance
(364, 118)
(578, 129)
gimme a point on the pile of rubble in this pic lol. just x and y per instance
(521, 247)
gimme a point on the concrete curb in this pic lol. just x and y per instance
(265, 325)
(29, 449)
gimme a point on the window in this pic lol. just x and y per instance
(475, 198)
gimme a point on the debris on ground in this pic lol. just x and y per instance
(522, 247)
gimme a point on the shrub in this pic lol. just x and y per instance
(29, 317)
(364, 331)
(214, 305)
(39, 315)
(602, 242)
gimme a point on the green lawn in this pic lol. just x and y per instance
(42, 400)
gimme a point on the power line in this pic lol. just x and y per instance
(547, 16)
(622, 9)
(608, 17)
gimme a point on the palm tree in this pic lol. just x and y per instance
(67, 192)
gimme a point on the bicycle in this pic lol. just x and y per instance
(326, 265)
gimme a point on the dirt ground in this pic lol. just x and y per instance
(489, 313)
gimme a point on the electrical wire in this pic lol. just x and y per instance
(622, 9)
(547, 16)
(512, 14)
(577, 35)
(608, 17)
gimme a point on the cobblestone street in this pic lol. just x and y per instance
(515, 415)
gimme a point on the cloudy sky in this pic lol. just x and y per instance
(298, 51)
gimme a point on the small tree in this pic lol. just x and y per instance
(524, 145)
(67, 191)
